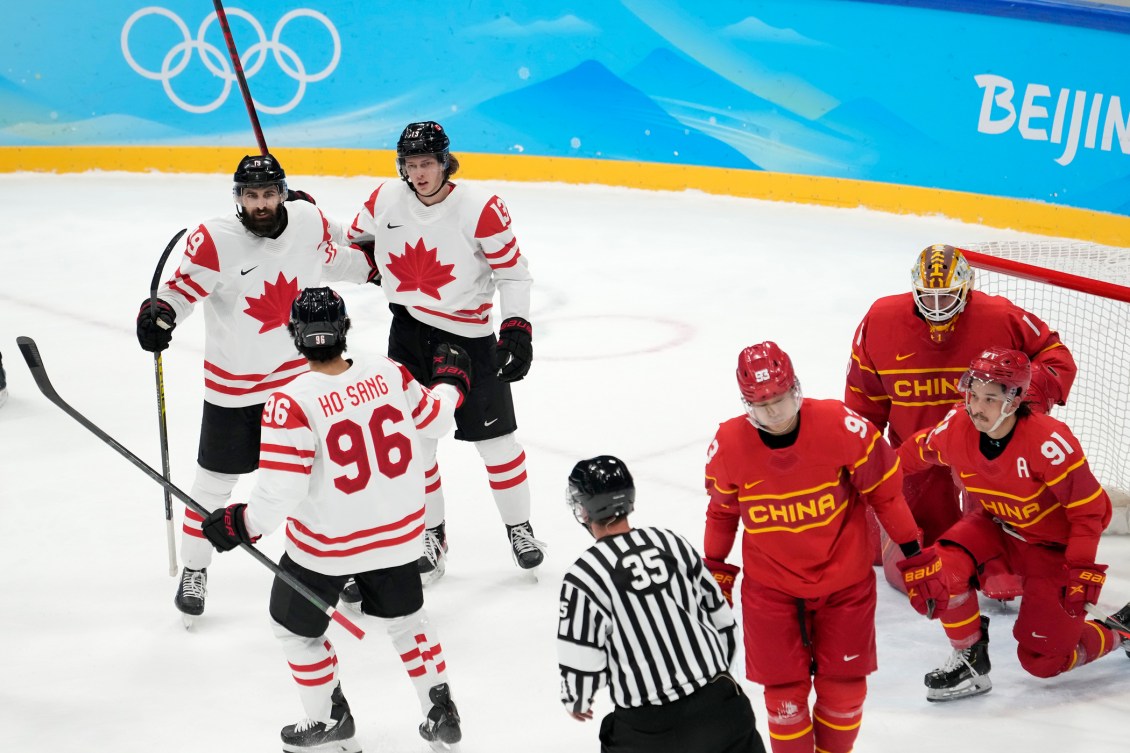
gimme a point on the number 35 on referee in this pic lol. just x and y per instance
(640, 613)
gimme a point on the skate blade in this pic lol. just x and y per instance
(975, 686)
(337, 746)
(441, 747)
(353, 606)
(187, 620)
(430, 577)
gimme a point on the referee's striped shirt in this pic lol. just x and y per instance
(641, 613)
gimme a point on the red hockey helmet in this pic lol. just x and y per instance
(765, 372)
(1009, 368)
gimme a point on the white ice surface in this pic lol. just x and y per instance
(642, 302)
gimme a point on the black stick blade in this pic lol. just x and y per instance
(30, 352)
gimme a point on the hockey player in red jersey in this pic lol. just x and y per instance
(341, 468)
(1038, 514)
(443, 249)
(245, 269)
(797, 475)
(907, 355)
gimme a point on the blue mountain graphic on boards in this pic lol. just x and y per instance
(589, 112)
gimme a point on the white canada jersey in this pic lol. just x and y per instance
(444, 262)
(247, 284)
(340, 460)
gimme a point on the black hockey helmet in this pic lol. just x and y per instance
(600, 489)
(259, 170)
(426, 137)
(318, 319)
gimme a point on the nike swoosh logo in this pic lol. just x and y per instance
(488, 423)
(245, 271)
(850, 658)
(755, 483)
(1037, 635)
(963, 474)
(390, 226)
(901, 357)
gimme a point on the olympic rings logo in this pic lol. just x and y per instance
(216, 60)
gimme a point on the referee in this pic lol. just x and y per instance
(640, 613)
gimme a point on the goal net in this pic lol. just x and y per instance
(1082, 291)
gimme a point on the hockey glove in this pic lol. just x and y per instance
(725, 575)
(515, 350)
(155, 325)
(368, 248)
(1043, 389)
(925, 583)
(292, 195)
(452, 365)
(226, 529)
(1084, 582)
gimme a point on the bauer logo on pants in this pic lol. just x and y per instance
(212, 59)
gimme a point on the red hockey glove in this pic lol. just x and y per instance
(226, 529)
(1084, 582)
(925, 585)
(1043, 388)
(292, 195)
(155, 325)
(725, 575)
(515, 350)
(452, 365)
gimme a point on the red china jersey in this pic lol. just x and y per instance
(898, 376)
(802, 507)
(1041, 486)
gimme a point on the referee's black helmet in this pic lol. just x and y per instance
(600, 489)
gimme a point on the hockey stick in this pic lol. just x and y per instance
(233, 53)
(30, 353)
(1106, 619)
(159, 375)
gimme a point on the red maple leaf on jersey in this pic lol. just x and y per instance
(273, 307)
(419, 269)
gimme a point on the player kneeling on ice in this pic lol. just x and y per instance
(1039, 515)
(341, 465)
(641, 613)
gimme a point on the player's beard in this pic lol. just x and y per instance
(263, 221)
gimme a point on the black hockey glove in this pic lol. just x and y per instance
(226, 529)
(452, 365)
(515, 349)
(155, 325)
(367, 248)
(292, 195)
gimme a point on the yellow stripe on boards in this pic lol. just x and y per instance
(994, 211)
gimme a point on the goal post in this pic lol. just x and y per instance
(1082, 291)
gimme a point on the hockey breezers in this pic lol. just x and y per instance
(34, 361)
(159, 375)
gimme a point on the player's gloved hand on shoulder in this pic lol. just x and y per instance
(368, 248)
(1042, 393)
(515, 350)
(292, 195)
(226, 528)
(725, 575)
(155, 325)
(1084, 582)
(452, 365)
(925, 583)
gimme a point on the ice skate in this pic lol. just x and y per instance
(351, 596)
(191, 591)
(3, 385)
(965, 673)
(1119, 622)
(441, 727)
(527, 551)
(335, 736)
(433, 564)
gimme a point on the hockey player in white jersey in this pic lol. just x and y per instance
(443, 250)
(341, 466)
(246, 269)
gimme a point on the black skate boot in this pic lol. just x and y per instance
(965, 673)
(351, 596)
(333, 737)
(1119, 622)
(191, 591)
(434, 562)
(528, 552)
(3, 383)
(441, 727)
